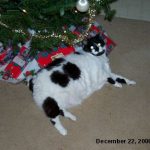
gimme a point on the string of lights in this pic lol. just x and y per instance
(62, 36)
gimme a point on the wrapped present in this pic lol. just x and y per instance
(6, 55)
(44, 58)
(5, 76)
(18, 63)
(30, 70)
(16, 66)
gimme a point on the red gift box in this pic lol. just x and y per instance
(15, 67)
(6, 55)
(44, 58)
(19, 62)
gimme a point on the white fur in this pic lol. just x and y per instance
(94, 73)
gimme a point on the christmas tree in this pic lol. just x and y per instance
(48, 20)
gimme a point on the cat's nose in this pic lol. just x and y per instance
(96, 49)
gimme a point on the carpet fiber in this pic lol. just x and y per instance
(109, 114)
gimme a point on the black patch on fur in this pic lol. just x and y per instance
(110, 80)
(61, 113)
(60, 78)
(123, 81)
(31, 85)
(101, 53)
(77, 53)
(51, 107)
(54, 63)
(53, 122)
(72, 70)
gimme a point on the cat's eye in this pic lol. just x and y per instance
(99, 44)
(92, 47)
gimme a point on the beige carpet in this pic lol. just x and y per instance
(111, 113)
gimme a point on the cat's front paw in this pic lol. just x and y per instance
(131, 82)
(63, 132)
(73, 118)
(69, 115)
(119, 85)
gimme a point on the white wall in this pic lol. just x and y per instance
(133, 9)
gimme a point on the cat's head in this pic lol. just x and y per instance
(95, 46)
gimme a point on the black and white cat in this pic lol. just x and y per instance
(68, 81)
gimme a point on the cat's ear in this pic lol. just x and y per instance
(95, 38)
(98, 37)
